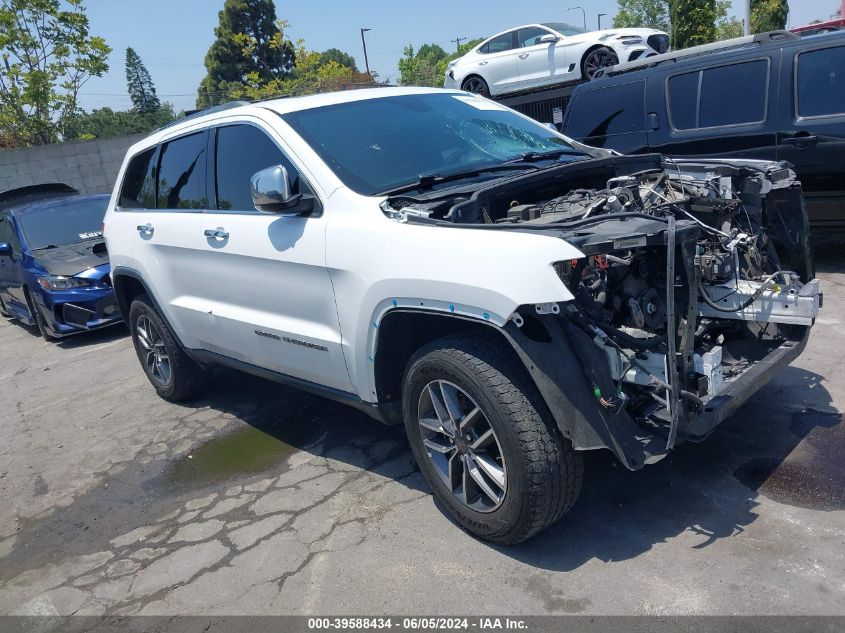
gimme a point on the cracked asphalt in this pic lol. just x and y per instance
(261, 500)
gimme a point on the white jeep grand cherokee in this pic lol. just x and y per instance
(433, 258)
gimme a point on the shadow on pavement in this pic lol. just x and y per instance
(709, 489)
(84, 339)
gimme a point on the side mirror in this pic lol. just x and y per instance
(5, 249)
(548, 38)
(271, 192)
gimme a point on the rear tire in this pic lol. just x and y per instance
(540, 472)
(175, 376)
(476, 85)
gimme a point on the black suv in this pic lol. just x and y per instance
(773, 96)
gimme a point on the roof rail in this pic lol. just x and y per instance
(193, 114)
(759, 39)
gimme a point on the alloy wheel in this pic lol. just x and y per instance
(598, 59)
(475, 86)
(154, 353)
(462, 446)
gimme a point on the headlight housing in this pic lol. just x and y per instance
(59, 282)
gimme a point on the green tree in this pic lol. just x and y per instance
(768, 15)
(693, 22)
(337, 55)
(652, 14)
(106, 123)
(727, 27)
(47, 56)
(311, 73)
(140, 84)
(421, 67)
(250, 43)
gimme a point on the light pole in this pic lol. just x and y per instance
(601, 15)
(583, 13)
(746, 26)
(364, 43)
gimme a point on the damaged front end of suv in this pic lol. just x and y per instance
(696, 286)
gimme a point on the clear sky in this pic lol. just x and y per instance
(172, 36)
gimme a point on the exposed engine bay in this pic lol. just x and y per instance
(696, 278)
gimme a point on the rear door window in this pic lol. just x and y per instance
(820, 82)
(608, 111)
(734, 94)
(182, 173)
(241, 151)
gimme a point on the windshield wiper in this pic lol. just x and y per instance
(429, 180)
(530, 157)
(44, 248)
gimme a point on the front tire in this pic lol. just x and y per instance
(596, 59)
(40, 323)
(484, 440)
(476, 85)
(175, 376)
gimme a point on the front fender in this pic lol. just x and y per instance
(375, 261)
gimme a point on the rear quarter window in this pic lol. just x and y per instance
(617, 109)
(137, 191)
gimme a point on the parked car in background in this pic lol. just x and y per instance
(436, 259)
(54, 269)
(540, 55)
(772, 96)
(819, 27)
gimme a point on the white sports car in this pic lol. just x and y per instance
(538, 55)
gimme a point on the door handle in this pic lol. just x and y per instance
(216, 234)
(524, 55)
(482, 63)
(807, 140)
(146, 229)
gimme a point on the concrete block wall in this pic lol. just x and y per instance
(89, 166)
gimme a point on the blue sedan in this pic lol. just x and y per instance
(54, 269)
